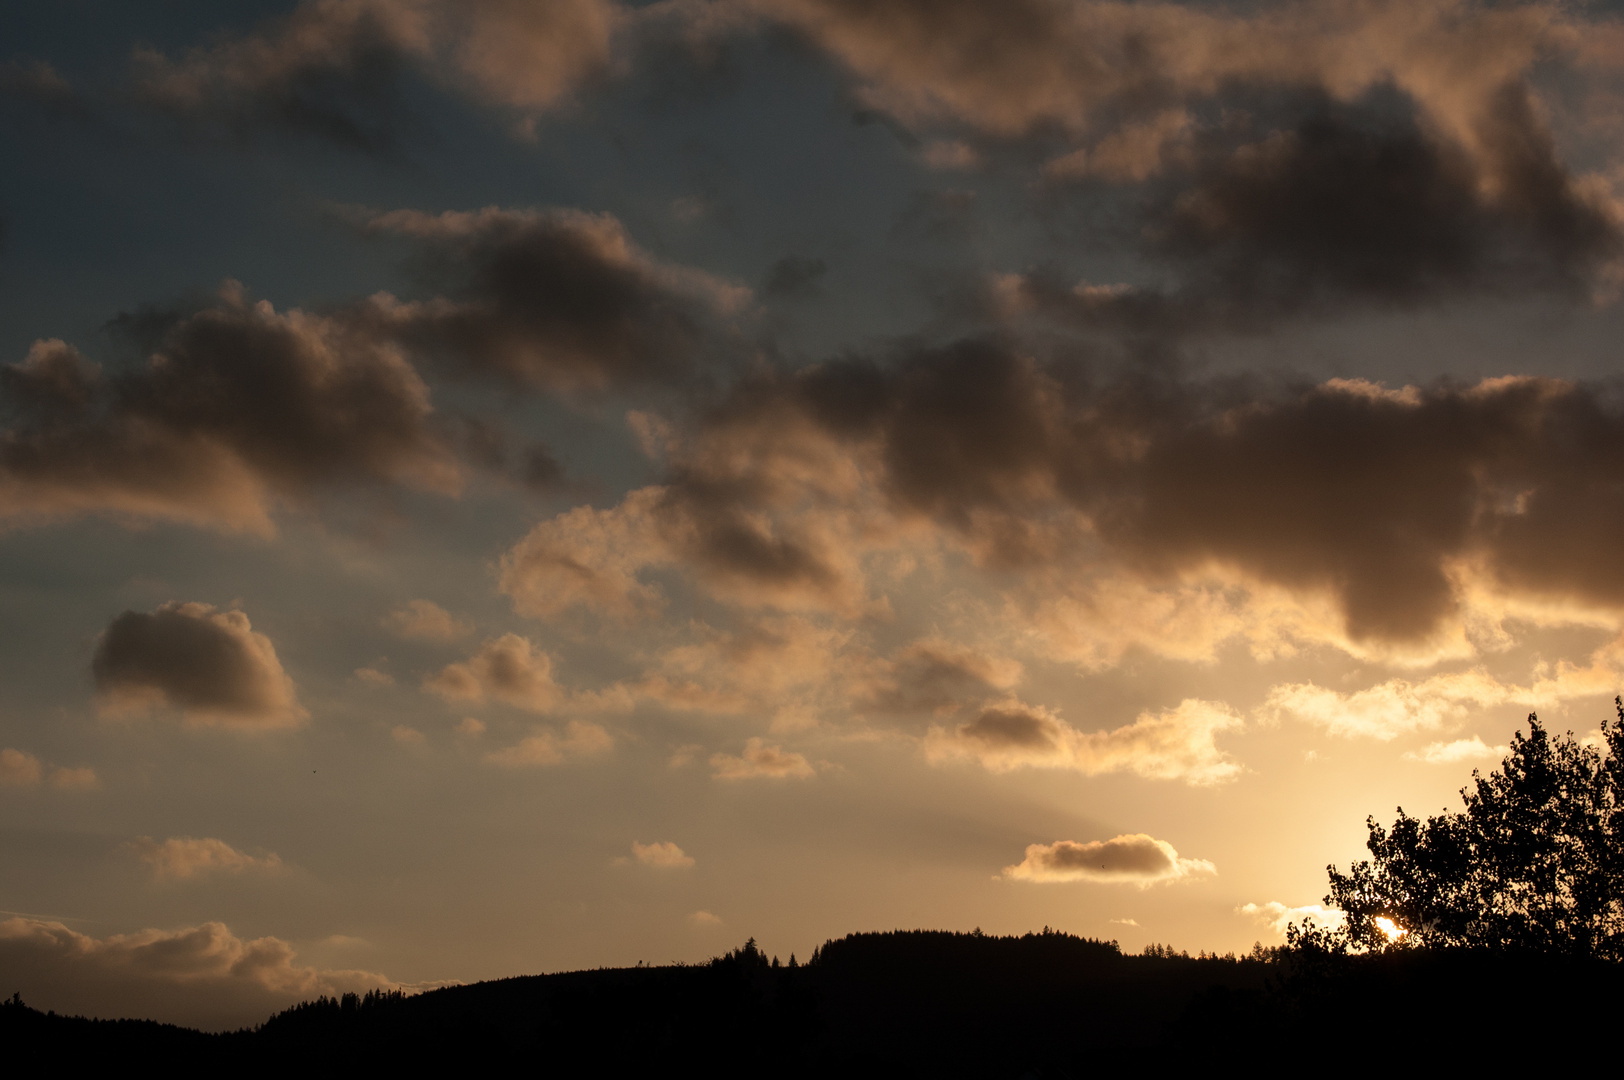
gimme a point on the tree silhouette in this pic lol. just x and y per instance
(1535, 863)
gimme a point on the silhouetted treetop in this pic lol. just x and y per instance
(1534, 863)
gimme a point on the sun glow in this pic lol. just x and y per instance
(1392, 929)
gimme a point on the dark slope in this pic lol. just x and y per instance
(916, 1004)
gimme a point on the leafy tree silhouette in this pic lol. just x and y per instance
(1535, 863)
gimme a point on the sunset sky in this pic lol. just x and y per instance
(520, 485)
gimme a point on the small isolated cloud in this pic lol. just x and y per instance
(1442, 753)
(1278, 916)
(19, 768)
(705, 918)
(509, 669)
(407, 736)
(80, 779)
(425, 620)
(211, 666)
(684, 755)
(580, 739)
(468, 725)
(759, 760)
(374, 677)
(664, 855)
(1125, 922)
(184, 857)
(1132, 858)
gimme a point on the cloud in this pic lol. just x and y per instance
(18, 768)
(184, 857)
(374, 677)
(237, 408)
(663, 855)
(1132, 858)
(1473, 749)
(558, 300)
(82, 778)
(333, 67)
(202, 975)
(935, 676)
(1278, 916)
(581, 739)
(1399, 706)
(470, 726)
(1356, 203)
(209, 665)
(407, 736)
(760, 761)
(1175, 744)
(427, 621)
(1349, 513)
(509, 669)
(704, 919)
(588, 558)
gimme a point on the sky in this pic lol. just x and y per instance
(500, 487)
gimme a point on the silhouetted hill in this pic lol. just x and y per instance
(917, 1004)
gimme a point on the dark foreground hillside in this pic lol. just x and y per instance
(919, 1004)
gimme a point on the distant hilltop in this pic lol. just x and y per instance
(903, 1003)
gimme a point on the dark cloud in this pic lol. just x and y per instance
(559, 300)
(1134, 857)
(237, 407)
(209, 665)
(794, 277)
(335, 68)
(335, 78)
(1372, 496)
(38, 83)
(1355, 204)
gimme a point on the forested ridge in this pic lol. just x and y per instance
(1484, 932)
(900, 1004)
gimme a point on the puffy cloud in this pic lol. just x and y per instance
(663, 855)
(760, 761)
(1473, 749)
(705, 919)
(1278, 916)
(588, 558)
(509, 669)
(1356, 203)
(559, 300)
(580, 739)
(182, 857)
(211, 666)
(407, 736)
(1370, 518)
(470, 726)
(1131, 858)
(935, 676)
(332, 67)
(373, 677)
(1175, 744)
(426, 620)
(1399, 706)
(18, 768)
(82, 778)
(203, 975)
(237, 407)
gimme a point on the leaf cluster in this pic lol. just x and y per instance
(1535, 862)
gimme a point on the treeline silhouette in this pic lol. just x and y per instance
(906, 1003)
(1486, 937)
